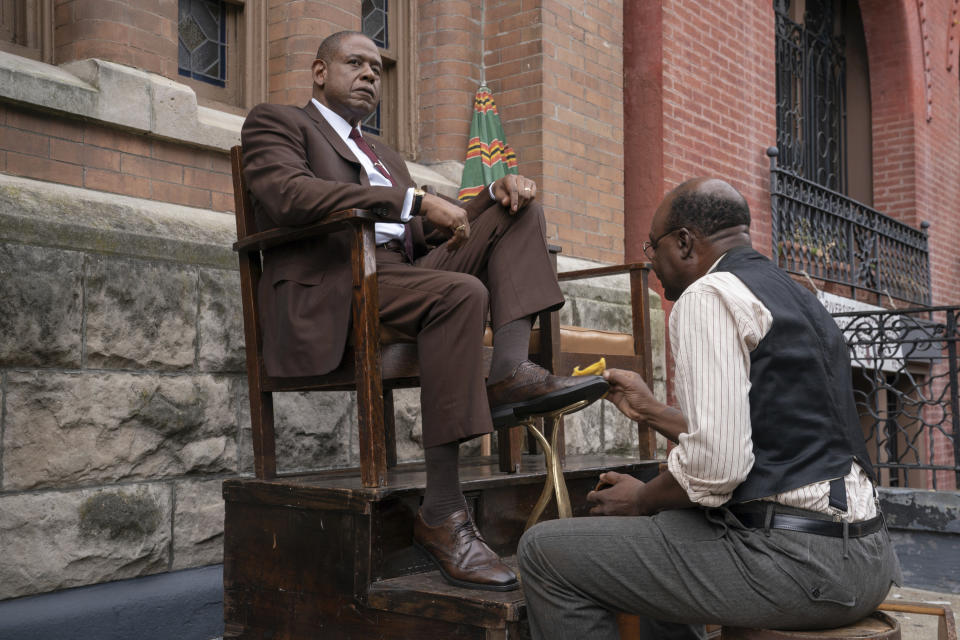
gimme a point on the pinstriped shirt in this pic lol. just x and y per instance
(714, 326)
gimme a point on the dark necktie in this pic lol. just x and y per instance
(368, 151)
(360, 142)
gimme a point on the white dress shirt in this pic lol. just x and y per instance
(385, 231)
(714, 326)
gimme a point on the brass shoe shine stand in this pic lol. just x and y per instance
(555, 482)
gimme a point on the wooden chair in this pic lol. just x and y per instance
(388, 363)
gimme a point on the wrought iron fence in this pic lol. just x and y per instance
(906, 388)
(826, 235)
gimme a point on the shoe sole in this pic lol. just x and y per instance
(462, 583)
(508, 415)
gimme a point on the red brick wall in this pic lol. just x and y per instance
(714, 115)
(448, 50)
(555, 69)
(295, 28)
(916, 160)
(719, 94)
(93, 156)
(583, 125)
(140, 34)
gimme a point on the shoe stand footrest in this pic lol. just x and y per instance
(427, 595)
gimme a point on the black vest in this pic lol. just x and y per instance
(804, 419)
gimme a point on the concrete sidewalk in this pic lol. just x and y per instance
(922, 627)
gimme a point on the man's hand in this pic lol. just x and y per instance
(514, 191)
(446, 215)
(633, 397)
(630, 394)
(621, 497)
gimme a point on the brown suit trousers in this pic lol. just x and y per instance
(443, 298)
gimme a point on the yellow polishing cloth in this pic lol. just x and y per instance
(594, 369)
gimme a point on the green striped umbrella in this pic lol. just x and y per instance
(488, 155)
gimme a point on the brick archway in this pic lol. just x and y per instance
(894, 52)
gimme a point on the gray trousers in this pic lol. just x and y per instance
(681, 569)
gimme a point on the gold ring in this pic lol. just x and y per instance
(463, 226)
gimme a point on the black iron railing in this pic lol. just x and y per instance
(906, 388)
(824, 234)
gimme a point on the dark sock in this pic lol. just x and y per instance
(442, 496)
(511, 346)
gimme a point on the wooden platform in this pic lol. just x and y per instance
(320, 556)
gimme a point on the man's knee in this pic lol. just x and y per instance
(530, 548)
(529, 220)
(467, 291)
(532, 214)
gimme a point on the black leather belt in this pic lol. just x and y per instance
(393, 245)
(756, 518)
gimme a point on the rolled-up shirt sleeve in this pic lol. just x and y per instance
(713, 327)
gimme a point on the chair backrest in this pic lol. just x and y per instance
(261, 404)
(241, 197)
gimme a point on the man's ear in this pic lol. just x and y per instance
(319, 69)
(685, 240)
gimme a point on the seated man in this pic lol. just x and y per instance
(767, 515)
(439, 268)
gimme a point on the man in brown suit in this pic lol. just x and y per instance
(440, 268)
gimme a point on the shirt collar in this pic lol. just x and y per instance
(714, 266)
(341, 126)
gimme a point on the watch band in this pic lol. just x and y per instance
(417, 201)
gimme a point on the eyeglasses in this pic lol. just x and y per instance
(651, 245)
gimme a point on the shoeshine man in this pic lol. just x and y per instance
(441, 269)
(767, 514)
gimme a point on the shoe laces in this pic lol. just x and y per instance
(467, 531)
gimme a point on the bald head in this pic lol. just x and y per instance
(707, 205)
(695, 224)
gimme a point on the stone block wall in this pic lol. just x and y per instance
(123, 397)
(121, 362)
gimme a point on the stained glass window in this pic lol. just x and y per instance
(374, 18)
(202, 34)
(371, 124)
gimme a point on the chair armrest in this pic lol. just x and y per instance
(603, 271)
(284, 235)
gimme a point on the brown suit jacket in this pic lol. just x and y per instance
(298, 170)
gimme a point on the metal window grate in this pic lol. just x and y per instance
(811, 95)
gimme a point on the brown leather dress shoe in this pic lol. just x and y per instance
(461, 554)
(532, 390)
